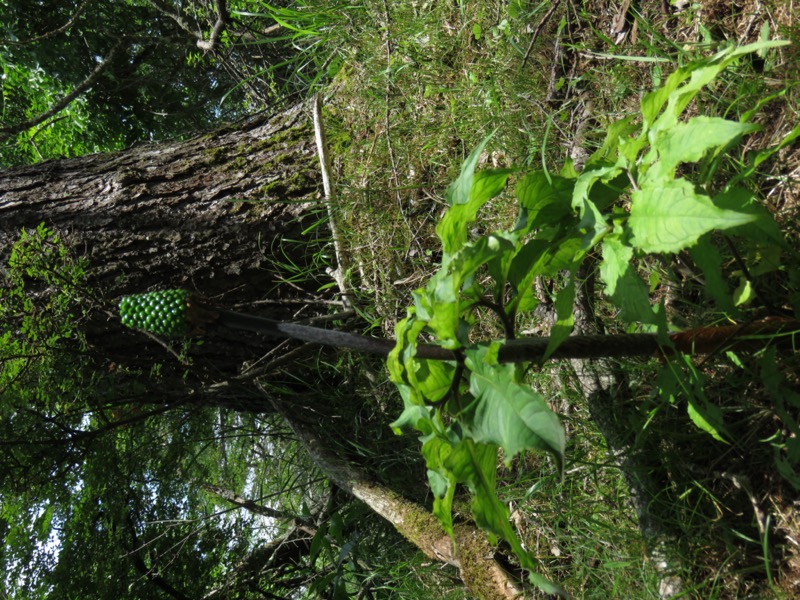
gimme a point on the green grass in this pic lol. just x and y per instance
(416, 86)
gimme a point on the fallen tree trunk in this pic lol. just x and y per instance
(470, 552)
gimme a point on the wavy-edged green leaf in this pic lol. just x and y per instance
(466, 195)
(623, 285)
(476, 466)
(413, 416)
(690, 141)
(453, 229)
(671, 216)
(440, 302)
(436, 450)
(400, 364)
(544, 201)
(433, 378)
(406, 332)
(508, 413)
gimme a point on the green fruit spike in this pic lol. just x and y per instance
(161, 313)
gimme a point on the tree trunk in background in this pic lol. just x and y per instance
(207, 214)
(606, 389)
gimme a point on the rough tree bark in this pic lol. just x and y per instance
(207, 214)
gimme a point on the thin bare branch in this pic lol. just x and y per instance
(223, 18)
(538, 30)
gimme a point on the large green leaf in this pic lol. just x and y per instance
(476, 466)
(544, 200)
(690, 141)
(671, 216)
(465, 196)
(508, 413)
(433, 378)
(623, 285)
(401, 365)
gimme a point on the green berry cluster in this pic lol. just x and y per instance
(162, 313)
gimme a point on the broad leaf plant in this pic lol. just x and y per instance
(628, 202)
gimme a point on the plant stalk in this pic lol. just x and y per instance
(705, 340)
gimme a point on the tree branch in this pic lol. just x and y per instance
(151, 574)
(7, 132)
(178, 18)
(223, 18)
(471, 553)
(247, 504)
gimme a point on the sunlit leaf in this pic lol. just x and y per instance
(671, 216)
(707, 417)
(690, 141)
(476, 466)
(545, 202)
